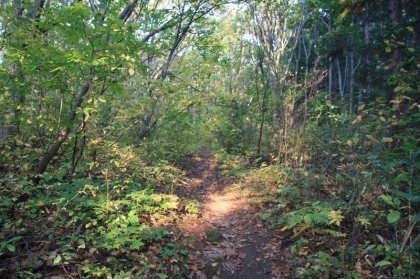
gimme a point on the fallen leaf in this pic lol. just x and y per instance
(284, 271)
(372, 138)
(227, 236)
(201, 275)
(358, 267)
(230, 266)
(242, 255)
(287, 254)
(367, 272)
(231, 253)
(225, 244)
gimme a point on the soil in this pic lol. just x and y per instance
(227, 239)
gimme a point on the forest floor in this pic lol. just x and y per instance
(228, 239)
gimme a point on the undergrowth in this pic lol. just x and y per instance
(351, 207)
(115, 223)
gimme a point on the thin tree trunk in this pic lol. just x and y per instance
(368, 63)
(128, 10)
(307, 53)
(351, 82)
(64, 132)
(340, 81)
(285, 134)
(346, 72)
(330, 78)
(394, 14)
(262, 106)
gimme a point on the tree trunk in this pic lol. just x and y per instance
(64, 132)
(394, 12)
(351, 82)
(307, 53)
(49, 155)
(330, 78)
(262, 105)
(340, 81)
(368, 63)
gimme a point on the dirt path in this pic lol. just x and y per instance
(227, 240)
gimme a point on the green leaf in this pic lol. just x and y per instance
(409, 197)
(11, 247)
(131, 71)
(382, 263)
(132, 217)
(87, 110)
(321, 217)
(388, 49)
(14, 239)
(82, 244)
(308, 219)
(57, 260)
(136, 244)
(293, 249)
(387, 199)
(294, 220)
(393, 216)
(355, 138)
(265, 216)
(162, 276)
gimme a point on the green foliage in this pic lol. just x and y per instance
(101, 218)
(272, 176)
(9, 245)
(231, 165)
(326, 92)
(319, 214)
(319, 265)
(192, 207)
(356, 171)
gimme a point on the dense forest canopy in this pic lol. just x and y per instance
(101, 102)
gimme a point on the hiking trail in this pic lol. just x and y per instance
(227, 239)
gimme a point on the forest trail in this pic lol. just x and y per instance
(227, 239)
